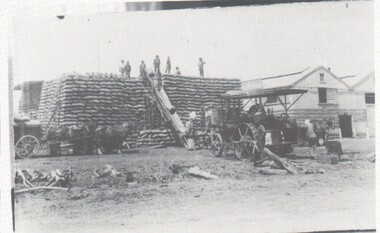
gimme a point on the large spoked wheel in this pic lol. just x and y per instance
(248, 141)
(215, 144)
(243, 141)
(27, 146)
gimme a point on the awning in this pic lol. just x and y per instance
(257, 93)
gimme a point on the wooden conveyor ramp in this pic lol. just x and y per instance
(165, 106)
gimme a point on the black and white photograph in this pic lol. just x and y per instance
(209, 116)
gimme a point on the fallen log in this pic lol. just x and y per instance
(195, 171)
(282, 162)
(272, 172)
(109, 170)
(41, 188)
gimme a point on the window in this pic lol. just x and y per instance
(322, 93)
(370, 98)
(321, 77)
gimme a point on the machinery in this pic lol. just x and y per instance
(265, 124)
(27, 136)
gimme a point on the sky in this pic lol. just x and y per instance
(236, 42)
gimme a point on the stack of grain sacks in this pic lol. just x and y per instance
(100, 98)
(110, 100)
(191, 94)
(49, 105)
(156, 138)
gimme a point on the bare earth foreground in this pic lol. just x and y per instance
(242, 200)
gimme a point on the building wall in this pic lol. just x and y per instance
(368, 86)
(359, 117)
(371, 120)
(352, 100)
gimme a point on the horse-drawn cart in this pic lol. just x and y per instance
(27, 137)
(88, 138)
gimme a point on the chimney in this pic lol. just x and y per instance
(329, 68)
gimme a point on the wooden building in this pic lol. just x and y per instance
(328, 97)
(364, 86)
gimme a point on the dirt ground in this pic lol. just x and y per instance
(242, 200)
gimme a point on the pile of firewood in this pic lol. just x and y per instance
(59, 179)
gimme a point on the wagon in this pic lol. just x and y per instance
(27, 137)
(247, 121)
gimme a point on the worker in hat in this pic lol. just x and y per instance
(200, 65)
(190, 125)
(311, 137)
(208, 114)
(127, 70)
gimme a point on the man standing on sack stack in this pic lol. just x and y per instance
(142, 69)
(122, 68)
(127, 70)
(156, 64)
(200, 65)
(168, 66)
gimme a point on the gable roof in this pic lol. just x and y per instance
(289, 80)
(362, 79)
(327, 71)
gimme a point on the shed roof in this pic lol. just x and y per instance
(265, 92)
(28, 84)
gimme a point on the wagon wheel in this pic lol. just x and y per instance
(247, 141)
(215, 144)
(26, 146)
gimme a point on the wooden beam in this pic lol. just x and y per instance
(282, 162)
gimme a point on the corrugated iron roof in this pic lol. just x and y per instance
(265, 92)
(286, 80)
(355, 81)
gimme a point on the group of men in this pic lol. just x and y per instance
(125, 69)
